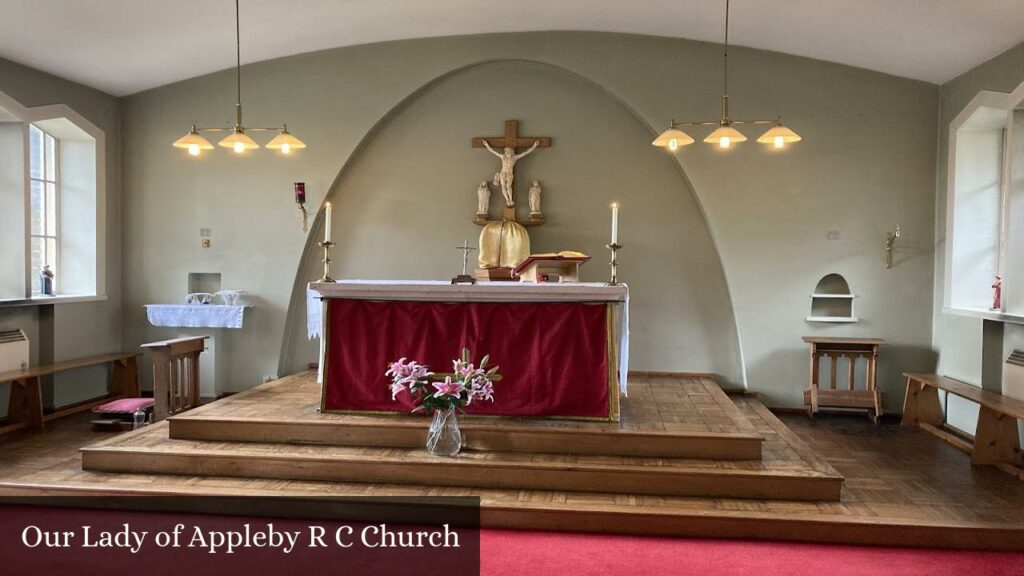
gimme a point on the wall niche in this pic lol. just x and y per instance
(832, 300)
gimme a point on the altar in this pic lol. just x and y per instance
(562, 348)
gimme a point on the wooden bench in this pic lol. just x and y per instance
(25, 409)
(996, 441)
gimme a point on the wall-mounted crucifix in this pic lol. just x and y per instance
(509, 148)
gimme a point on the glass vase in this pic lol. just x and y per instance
(444, 437)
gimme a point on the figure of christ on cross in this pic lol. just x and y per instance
(506, 176)
(509, 158)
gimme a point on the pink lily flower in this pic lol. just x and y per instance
(447, 388)
(396, 387)
(482, 389)
(397, 369)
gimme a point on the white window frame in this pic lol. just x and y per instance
(998, 101)
(53, 259)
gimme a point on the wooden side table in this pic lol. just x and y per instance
(852, 349)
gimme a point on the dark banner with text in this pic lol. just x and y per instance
(198, 536)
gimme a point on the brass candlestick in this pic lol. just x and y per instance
(614, 263)
(327, 261)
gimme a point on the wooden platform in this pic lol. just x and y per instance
(548, 454)
(903, 488)
(666, 417)
(151, 452)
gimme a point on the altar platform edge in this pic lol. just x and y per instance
(669, 408)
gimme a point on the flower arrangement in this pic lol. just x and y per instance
(443, 391)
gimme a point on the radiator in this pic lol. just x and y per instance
(1013, 375)
(13, 350)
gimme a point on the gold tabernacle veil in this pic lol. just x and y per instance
(503, 244)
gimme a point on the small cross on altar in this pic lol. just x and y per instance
(513, 141)
(464, 278)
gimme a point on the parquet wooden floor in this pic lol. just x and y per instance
(903, 487)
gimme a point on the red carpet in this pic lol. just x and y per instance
(540, 553)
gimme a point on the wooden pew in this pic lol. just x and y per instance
(996, 441)
(26, 406)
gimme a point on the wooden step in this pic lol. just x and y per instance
(410, 433)
(150, 451)
(666, 417)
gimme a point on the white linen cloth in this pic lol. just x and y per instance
(314, 322)
(195, 315)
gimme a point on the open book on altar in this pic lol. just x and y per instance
(551, 267)
(563, 255)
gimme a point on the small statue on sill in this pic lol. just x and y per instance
(46, 281)
(997, 294)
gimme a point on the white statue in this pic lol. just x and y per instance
(506, 175)
(535, 199)
(483, 198)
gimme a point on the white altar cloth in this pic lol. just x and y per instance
(195, 315)
(439, 290)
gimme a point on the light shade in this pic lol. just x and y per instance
(724, 136)
(285, 142)
(239, 141)
(193, 141)
(779, 135)
(667, 137)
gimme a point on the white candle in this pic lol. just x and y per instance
(615, 222)
(327, 223)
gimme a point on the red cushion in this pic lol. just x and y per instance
(124, 406)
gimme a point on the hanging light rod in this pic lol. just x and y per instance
(778, 135)
(238, 140)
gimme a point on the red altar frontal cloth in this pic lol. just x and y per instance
(553, 356)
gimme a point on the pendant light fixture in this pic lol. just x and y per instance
(725, 135)
(238, 140)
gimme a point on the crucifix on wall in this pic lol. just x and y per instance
(510, 149)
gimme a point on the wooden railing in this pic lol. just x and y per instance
(175, 374)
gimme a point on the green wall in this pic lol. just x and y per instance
(72, 330)
(416, 181)
(866, 164)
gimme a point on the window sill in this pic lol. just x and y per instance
(985, 314)
(48, 300)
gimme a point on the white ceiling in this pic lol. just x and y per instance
(125, 46)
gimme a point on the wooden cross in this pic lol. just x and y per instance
(513, 140)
